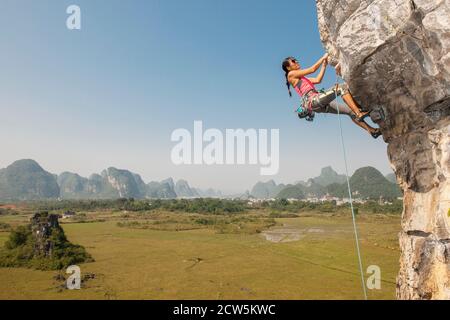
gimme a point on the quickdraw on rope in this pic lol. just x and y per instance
(350, 197)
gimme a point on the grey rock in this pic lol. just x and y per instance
(42, 225)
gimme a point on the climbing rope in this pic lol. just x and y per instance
(350, 197)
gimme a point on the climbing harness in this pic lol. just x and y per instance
(305, 114)
(306, 90)
(305, 110)
(351, 199)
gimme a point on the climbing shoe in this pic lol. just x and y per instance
(375, 134)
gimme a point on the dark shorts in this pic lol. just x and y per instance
(325, 102)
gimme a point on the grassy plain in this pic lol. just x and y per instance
(166, 255)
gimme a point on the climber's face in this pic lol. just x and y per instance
(295, 65)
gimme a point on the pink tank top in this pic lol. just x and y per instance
(304, 86)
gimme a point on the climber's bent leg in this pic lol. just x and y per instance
(344, 91)
(348, 99)
(328, 96)
(323, 99)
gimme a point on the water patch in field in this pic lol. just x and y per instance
(279, 235)
(315, 230)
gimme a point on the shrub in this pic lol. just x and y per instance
(18, 237)
(19, 251)
(4, 226)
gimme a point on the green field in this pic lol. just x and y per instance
(167, 259)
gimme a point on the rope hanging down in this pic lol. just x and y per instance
(351, 200)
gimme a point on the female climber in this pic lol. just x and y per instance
(323, 101)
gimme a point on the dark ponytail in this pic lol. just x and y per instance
(285, 65)
(288, 84)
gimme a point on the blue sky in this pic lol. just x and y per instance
(111, 93)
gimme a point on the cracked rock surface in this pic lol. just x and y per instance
(395, 56)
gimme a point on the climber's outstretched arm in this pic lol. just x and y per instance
(319, 77)
(297, 74)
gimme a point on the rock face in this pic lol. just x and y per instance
(42, 226)
(73, 186)
(124, 183)
(395, 55)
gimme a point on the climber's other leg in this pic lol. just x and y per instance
(373, 131)
(349, 101)
(345, 110)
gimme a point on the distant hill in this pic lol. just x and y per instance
(292, 192)
(329, 176)
(266, 190)
(366, 183)
(73, 186)
(122, 184)
(391, 178)
(26, 180)
(208, 193)
(112, 183)
(311, 189)
(314, 187)
(161, 190)
(183, 190)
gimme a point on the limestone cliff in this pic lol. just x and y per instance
(395, 56)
